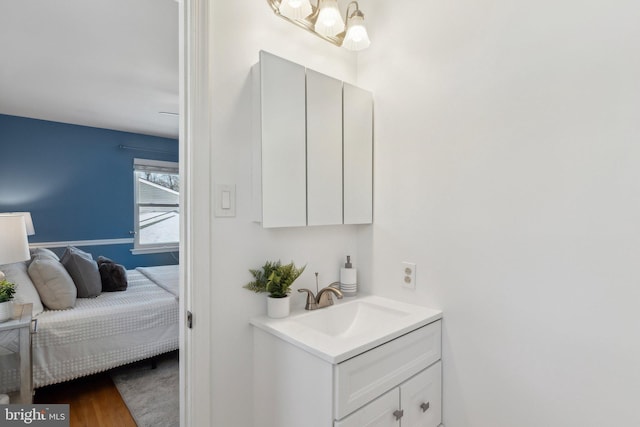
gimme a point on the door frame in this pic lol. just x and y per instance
(195, 195)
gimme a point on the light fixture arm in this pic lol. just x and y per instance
(356, 12)
(316, 11)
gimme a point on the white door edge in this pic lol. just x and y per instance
(195, 252)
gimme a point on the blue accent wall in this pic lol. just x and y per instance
(77, 182)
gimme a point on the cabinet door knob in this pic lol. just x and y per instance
(398, 414)
(424, 406)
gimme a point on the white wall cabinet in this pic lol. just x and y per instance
(358, 155)
(395, 384)
(324, 149)
(313, 155)
(280, 163)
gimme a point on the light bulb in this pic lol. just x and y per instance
(356, 37)
(329, 21)
(295, 9)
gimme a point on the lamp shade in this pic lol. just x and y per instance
(28, 222)
(295, 9)
(356, 37)
(14, 246)
(329, 22)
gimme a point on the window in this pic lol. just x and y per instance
(157, 206)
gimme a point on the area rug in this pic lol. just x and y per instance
(151, 394)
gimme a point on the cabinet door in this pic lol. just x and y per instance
(378, 413)
(422, 398)
(358, 155)
(324, 149)
(283, 151)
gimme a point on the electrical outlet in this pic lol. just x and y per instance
(409, 275)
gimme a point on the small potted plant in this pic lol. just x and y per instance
(7, 289)
(275, 279)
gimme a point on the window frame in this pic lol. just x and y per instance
(155, 166)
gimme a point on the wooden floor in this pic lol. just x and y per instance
(93, 402)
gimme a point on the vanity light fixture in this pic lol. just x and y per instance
(324, 20)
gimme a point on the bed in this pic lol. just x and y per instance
(101, 333)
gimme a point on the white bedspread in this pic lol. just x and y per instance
(101, 333)
(166, 276)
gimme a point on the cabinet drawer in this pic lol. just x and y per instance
(367, 376)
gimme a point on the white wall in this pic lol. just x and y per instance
(240, 30)
(507, 167)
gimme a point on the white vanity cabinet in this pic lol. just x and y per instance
(313, 150)
(415, 403)
(397, 383)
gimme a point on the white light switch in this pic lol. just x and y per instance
(225, 200)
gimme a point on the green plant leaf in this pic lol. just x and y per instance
(7, 289)
(274, 278)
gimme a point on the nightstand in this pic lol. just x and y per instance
(20, 326)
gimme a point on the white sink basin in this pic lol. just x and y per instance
(346, 329)
(350, 320)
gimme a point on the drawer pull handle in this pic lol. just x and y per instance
(424, 406)
(398, 414)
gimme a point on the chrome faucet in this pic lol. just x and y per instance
(323, 299)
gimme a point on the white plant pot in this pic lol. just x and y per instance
(6, 311)
(278, 307)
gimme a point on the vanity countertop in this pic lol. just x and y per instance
(349, 327)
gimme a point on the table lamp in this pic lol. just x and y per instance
(27, 221)
(14, 246)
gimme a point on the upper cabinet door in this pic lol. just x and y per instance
(358, 155)
(324, 149)
(283, 152)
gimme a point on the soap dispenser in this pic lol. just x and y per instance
(348, 279)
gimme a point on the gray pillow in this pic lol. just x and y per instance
(44, 253)
(25, 289)
(53, 283)
(84, 272)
